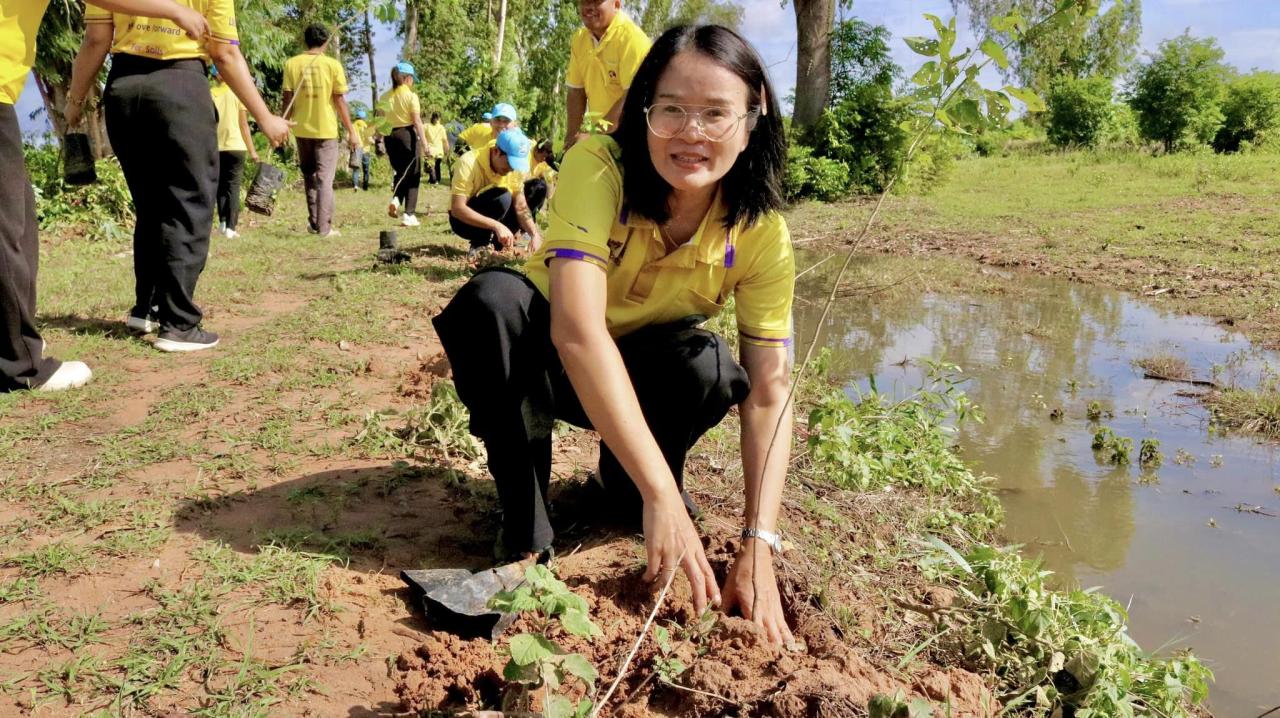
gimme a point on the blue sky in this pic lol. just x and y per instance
(1248, 30)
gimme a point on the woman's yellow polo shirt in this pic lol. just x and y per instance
(161, 38)
(647, 285)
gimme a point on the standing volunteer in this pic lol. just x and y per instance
(650, 234)
(320, 84)
(488, 206)
(160, 120)
(437, 147)
(234, 142)
(364, 158)
(405, 144)
(481, 134)
(23, 363)
(603, 57)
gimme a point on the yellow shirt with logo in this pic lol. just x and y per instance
(647, 284)
(314, 79)
(230, 139)
(437, 139)
(19, 24)
(605, 68)
(474, 174)
(401, 106)
(365, 133)
(162, 39)
(477, 135)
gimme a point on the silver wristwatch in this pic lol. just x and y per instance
(772, 539)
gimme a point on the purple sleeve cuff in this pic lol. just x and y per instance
(577, 254)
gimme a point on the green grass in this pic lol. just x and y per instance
(1251, 410)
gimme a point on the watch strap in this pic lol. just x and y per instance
(772, 539)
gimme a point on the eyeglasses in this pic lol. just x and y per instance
(717, 124)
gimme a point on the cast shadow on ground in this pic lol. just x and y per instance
(382, 519)
(442, 251)
(90, 326)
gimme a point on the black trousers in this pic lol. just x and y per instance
(497, 334)
(494, 203)
(22, 361)
(434, 166)
(230, 172)
(161, 122)
(402, 150)
(535, 193)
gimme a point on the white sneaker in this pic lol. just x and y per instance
(70, 375)
(231, 234)
(393, 207)
(142, 325)
(333, 233)
(409, 220)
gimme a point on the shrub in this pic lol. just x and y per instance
(1079, 110)
(812, 177)
(864, 133)
(1177, 94)
(1251, 113)
(102, 210)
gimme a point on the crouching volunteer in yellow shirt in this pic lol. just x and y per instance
(364, 157)
(405, 144)
(234, 142)
(160, 119)
(541, 183)
(488, 206)
(23, 363)
(650, 234)
(437, 147)
(479, 134)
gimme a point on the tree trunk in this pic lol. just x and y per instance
(502, 33)
(410, 29)
(373, 72)
(336, 44)
(814, 19)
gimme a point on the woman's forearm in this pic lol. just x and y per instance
(93, 52)
(766, 418)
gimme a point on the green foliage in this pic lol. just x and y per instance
(655, 16)
(1149, 456)
(535, 661)
(860, 58)
(1079, 110)
(1114, 449)
(102, 210)
(873, 443)
(812, 177)
(1066, 651)
(896, 706)
(443, 425)
(1177, 94)
(1250, 113)
(864, 133)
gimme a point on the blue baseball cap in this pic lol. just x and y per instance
(487, 116)
(516, 147)
(361, 114)
(406, 68)
(213, 70)
(502, 109)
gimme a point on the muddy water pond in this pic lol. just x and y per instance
(1183, 546)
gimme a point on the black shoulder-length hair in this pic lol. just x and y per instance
(753, 187)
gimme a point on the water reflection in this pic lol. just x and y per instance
(1045, 345)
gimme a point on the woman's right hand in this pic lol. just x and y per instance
(276, 129)
(672, 543)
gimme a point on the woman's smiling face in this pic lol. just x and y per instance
(689, 161)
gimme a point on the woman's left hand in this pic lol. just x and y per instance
(753, 588)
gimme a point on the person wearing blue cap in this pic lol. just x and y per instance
(500, 118)
(360, 156)
(405, 144)
(234, 142)
(488, 205)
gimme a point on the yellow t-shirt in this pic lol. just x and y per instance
(365, 133)
(543, 171)
(162, 39)
(646, 283)
(437, 139)
(229, 108)
(402, 106)
(315, 79)
(19, 23)
(474, 174)
(477, 135)
(605, 68)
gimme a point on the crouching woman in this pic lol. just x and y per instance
(651, 231)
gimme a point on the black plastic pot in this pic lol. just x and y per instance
(261, 197)
(77, 160)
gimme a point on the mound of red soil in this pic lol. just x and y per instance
(731, 669)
